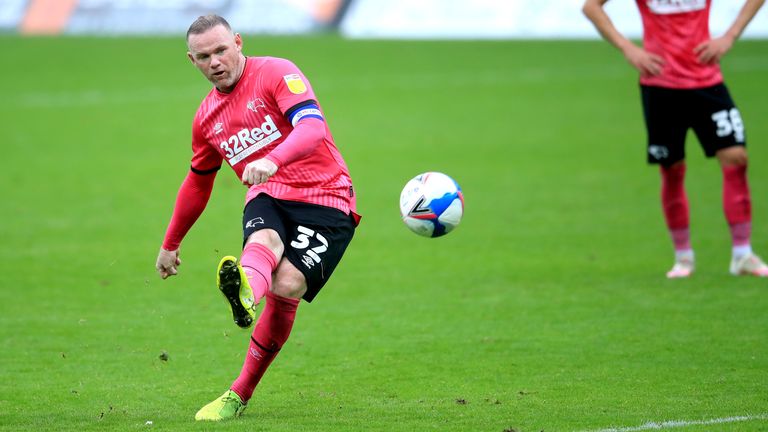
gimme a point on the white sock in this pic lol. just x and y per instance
(742, 251)
(684, 254)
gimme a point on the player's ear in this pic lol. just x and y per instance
(238, 42)
(190, 57)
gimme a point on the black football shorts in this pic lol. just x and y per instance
(315, 236)
(669, 113)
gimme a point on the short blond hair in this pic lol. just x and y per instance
(206, 22)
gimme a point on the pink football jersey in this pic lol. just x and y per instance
(251, 121)
(672, 29)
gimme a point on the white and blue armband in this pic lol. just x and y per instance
(306, 109)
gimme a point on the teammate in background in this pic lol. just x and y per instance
(682, 87)
(263, 118)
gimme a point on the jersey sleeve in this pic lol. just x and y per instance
(296, 100)
(205, 158)
(302, 140)
(292, 90)
(191, 200)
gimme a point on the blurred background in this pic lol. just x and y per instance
(486, 19)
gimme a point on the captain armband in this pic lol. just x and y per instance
(308, 109)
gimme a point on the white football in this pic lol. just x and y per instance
(431, 204)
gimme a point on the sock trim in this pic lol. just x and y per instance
(262, 346)
(267, 281)
(264, 251)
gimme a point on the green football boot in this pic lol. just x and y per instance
(227, 406)
(233, 283)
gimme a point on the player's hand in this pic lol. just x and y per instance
(167, 262)
(711, 51)
(648, 64)
(258, 171)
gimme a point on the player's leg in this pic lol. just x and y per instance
(312, 253)
(666, 126)
(737, 206)
(674, 202)
(721, 133)
(259, 260)
(244, 282)
(272, 328)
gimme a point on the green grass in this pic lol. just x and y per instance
(546, 310)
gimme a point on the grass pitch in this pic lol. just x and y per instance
(546, 309)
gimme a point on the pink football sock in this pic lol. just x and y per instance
(674, 202)
(737, 203)
(681, 238)
(740, 233)
(269, 335)
(259, 262)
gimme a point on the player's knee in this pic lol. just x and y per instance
(288, 288)
(288, 281)
(732, 156)
(269, 238)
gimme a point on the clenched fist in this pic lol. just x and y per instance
(167, 262)
(258, 171)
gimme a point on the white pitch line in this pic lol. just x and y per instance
(683, 423)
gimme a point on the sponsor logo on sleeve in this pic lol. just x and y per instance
(295, 83)
(218, 128)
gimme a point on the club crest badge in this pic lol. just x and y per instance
(255, 104)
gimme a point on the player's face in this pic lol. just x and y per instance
(217, 53)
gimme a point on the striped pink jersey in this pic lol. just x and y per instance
(672, 29)
(252, 120)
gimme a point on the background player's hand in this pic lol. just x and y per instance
(711, 51)
(167, 261)
(648, 64)
(259, 171)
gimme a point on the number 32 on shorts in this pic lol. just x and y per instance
(311, 256)
(729, 122)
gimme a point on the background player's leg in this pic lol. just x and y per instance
(273, 327)
(737, 206)
(674, 202)
(736, 198)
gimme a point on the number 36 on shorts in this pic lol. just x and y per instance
(729, 122)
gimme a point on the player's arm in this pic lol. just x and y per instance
(303, 112)
(191, 200)
(646, 63)
(306, 135)
(713, 50)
